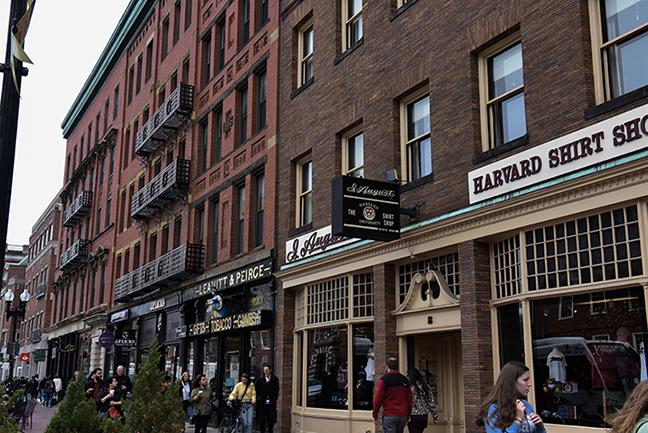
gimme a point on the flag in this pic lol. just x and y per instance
(18, 34)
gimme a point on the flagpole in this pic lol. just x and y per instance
(9, 124)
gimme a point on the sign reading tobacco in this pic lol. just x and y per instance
(366, 209)
(230, 323)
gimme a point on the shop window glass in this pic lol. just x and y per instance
(210, 358)
(232, 369)
(327, 370)
(364, 366)
(509, 319)
(586, 367)
(260, 351)
(191, 355)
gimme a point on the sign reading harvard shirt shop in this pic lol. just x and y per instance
(366, 209)
(596, 144)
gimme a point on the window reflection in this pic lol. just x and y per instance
(328, 375)
(587, 361)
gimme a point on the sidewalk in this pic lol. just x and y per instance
(41, 419)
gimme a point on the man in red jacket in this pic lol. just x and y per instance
(394, 394)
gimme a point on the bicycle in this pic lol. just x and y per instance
(233, 421)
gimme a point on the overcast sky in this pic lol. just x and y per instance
(65, 40)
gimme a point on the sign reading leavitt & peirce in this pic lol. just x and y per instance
(601, 142)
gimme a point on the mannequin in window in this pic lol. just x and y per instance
(557, 365)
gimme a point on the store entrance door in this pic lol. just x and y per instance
(438, 358)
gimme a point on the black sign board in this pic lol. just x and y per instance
(127, 338)
(365, 209)
(252, 319)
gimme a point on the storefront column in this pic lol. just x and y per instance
(386, 343)
(476, 332)
(283, 368)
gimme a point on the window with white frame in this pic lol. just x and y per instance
(566, 307)
(305, 54)
(353, 153)
(304, 192)
(352, 18)
(620, 46)
(502, 93)
(417, 146)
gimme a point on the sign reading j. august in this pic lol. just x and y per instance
(603, 141)
(365, 208)
(313, 243)
(230, 323)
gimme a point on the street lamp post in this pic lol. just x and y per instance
(16, 313)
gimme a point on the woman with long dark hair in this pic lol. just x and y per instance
(505, 409)
(422, 402)
(633, 416)
(201, 396)
(185, 391)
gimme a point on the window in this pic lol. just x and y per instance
(108, 208)
(177, 233)
(116, 103)
(105, 125)
(245, 21)
(243, 114)
(127, 135)
(305, 192)
(131, 193)
(261, 100)
(185, 72)
(136, 256)
(153, 248)
(111, 165)
(139, 75)
(263, 12)
(131, 84)
(98, 221)
(176, 23)
(149, 61)
(352, 14)
(135, 128)
(200, 226)
(206, 59)
(259, 206)
(102, 287)
(565, 307)
(502, 93)
(102, 167)
(418, 148)
(218, 134)
(620, 48)
(97, 128)
(240, 219)
(204, 143)
(213, 256)
(67, 170)
(353, 154)
(306, 54)
(118, 266)
(165, 240)
(188, 10)
(221, 45)
(165, 37)
(127, 261)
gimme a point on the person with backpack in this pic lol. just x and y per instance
(49, 392)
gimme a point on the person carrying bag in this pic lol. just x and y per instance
(246, 393)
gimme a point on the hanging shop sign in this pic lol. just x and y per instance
(234, 322)
(245, 275)
(314, 243)
(107, 339)
(181, 332)
(365, 208)
(68, 349)
(604, 141)
(119, 316)
(128, 338)
(40, 355)
(24, 357)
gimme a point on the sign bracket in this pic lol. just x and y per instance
(412, 212)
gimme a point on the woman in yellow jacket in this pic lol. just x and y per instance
(244, 391)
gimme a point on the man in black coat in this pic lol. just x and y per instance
(92, 386)
(267, 391)
(123, 381)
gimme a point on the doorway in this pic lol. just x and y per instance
(438, 358)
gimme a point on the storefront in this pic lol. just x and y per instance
(229, 328)
(550, 269)
(63, 352)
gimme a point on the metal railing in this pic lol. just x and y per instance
(74, 255)
(77, 209)
(187, 259)
(172, 113)
(163, 188)
(41, 289)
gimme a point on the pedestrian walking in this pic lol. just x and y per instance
(109, 399)
(185, 392)
(422, 403)
(58, 387)
(267, 389)
(505, 409)
(201, 396)
(246, 393)
(393, 393)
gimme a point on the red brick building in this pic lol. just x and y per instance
(13, 280)
(520, 136)
(170, 192)
(39, 275)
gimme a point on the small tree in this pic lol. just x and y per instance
(152, 411)
(7, 426)
(76, 414)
